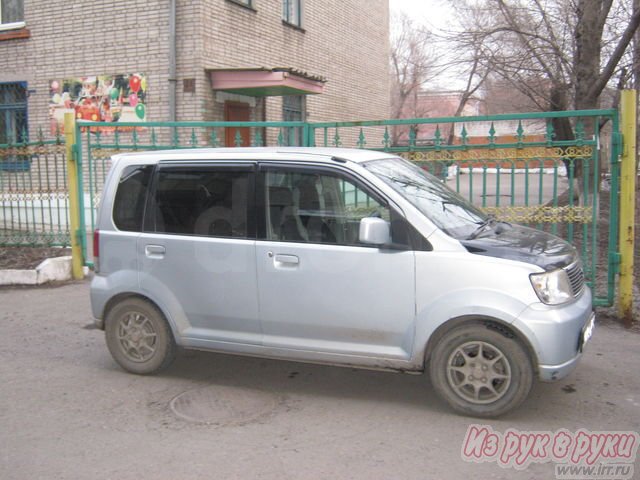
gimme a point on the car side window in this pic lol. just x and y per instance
(318, 207)
(208, 201)
(131, 195)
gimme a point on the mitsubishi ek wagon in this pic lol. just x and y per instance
(336, 256)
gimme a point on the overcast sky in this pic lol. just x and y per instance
(436, 14)
(432, 12)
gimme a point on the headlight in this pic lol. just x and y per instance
(552, 288)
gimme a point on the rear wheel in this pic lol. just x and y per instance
(480, 372)
(139, 337)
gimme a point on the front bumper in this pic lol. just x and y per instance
(556, 334)
(551, 373)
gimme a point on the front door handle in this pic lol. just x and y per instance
(281, 260)
(154, 251)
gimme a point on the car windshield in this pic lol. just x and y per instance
(444, 207)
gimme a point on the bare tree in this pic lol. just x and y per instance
(560, 53)
(467, 57)
(415, 66)
(411, 65)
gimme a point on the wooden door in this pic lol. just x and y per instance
(237, 112)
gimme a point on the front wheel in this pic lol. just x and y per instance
(139, 337)
(480, 372)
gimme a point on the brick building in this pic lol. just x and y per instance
(318, 60)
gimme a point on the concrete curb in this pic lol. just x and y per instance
(56, 269)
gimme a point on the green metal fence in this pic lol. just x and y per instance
(513, 166)
(34, 198)
(517, 168)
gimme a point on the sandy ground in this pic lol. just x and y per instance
(68, 412)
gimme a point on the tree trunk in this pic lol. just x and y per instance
(592, 15)
(564, 131)
(591, 18)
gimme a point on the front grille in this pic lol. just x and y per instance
(576, 277)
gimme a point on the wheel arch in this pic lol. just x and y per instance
(120, 297)
(491, 323)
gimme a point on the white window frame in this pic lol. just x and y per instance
(244, 3)
(287, 16)
(12, 25)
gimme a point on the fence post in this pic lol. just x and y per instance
(305, 135)
(74, 203)
(78, 159)
(627, 203)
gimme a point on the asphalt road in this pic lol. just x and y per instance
(67, 411)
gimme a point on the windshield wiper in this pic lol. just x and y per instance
(482, 226)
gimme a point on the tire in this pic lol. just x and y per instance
(489, 386)
(138, 337)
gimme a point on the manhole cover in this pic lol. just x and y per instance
(223, 405)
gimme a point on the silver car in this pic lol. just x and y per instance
(337, 256)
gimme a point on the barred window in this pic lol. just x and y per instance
(13, 112)
(13, 123)
(293, 111)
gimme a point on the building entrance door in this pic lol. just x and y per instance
(237, 136)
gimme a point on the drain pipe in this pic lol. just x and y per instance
(172, 60)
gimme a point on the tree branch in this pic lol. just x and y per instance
(607, 72)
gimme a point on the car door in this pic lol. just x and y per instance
(197, 253)
(320, 290)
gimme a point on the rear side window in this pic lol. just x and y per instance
(128, 206)
(209, 202)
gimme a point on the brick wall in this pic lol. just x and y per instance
(345, 41)
(74, 39)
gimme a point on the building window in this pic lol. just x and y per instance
(13, 112)
(292, 12)
(293, 111)
(11, 14)
(244, 3)
(13, 122)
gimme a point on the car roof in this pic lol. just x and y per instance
(311, 154)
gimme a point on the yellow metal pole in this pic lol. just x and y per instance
(72, 182)
(628, 176)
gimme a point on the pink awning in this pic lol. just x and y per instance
(262, 82)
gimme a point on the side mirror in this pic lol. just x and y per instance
(374, 231)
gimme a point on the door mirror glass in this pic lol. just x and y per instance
(374, 231)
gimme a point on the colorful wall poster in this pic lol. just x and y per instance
(104, 98)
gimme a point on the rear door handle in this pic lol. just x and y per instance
(154, 251)
(281, 260)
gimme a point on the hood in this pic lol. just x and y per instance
(523, 244)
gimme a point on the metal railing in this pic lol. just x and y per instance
(512, 166)
(516, 167)
(34, 196)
